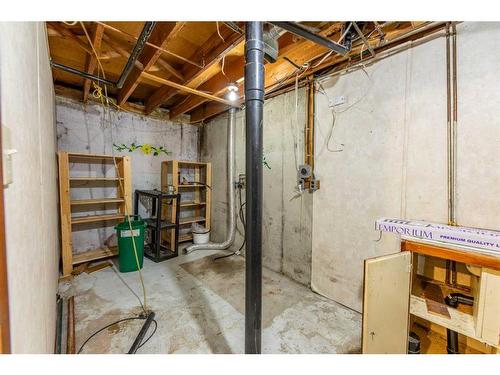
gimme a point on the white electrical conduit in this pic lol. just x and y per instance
(230, 191)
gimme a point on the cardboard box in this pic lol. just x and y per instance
(470, 237)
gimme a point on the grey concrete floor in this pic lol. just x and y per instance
(199, 306)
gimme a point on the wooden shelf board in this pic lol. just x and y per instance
(460, 322)
(188, 162)
(90, 178)
(462, 256)
(96, 218)
(91, 255)
(76, 155)
(192, 186)
(80, 202)
(192, 204)
(185, 237)
(190, 220)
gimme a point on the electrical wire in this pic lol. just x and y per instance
(218, 31)
(151, 335)
(335, 113)
(107, 326)
(126, 208)
(128, 287)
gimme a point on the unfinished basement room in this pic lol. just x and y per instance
(205, 186)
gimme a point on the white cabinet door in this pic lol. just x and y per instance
(386, 303)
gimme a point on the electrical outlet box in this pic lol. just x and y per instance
(338, 100)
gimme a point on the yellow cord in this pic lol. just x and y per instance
(97, 93)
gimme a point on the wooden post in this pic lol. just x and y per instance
(65, 209)
(70, 345)
(126, 174)
(175, 183)
(208, 195)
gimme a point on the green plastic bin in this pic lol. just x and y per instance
(126, 256)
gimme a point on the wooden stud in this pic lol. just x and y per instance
(175, 182)
(92, 62)
(198, 93)
(126, 174)
(65, 211)
(208, 195)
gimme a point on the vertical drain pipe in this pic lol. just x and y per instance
(230, 191)
(254, 105)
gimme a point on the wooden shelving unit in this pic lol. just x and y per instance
(121, 203)
(193, 180)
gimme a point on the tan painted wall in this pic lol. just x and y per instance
(27, 96)
(393, 161)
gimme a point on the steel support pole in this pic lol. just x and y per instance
(254, 105)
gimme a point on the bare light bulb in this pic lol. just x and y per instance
(232, 96)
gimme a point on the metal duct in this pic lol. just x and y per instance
(139, 46)
(230, 191)
(300, 30)
(254, 101)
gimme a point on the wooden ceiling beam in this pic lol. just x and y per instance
(67, 33)
(162, 34)
(299, 52)
(207, 110)
(393, 37)
(177, 86)
(216, 85)
(161, 63)
(91, 64)
(211, 53)
(120, 50)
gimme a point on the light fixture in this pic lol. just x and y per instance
(232, 92)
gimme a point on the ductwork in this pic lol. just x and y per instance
(230, 191)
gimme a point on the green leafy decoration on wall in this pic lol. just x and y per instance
(146, 149)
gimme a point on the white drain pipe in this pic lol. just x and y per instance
(230, 191)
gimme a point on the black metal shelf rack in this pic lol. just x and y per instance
(154, 250)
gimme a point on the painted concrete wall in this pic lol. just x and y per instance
(286, 220)
(392, 133)
(85, 128)
(27, 96)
